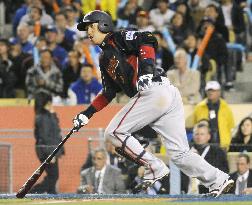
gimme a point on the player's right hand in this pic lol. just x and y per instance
(79, 121)
(144, 82)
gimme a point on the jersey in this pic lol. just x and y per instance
(126, 55)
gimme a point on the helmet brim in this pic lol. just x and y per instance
(82, 26)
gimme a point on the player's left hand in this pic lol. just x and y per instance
(144, 82)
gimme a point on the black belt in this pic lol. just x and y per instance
(157, 79)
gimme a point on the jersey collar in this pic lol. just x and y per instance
(105, 41)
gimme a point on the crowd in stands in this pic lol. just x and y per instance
(201, 45)
(178, 25)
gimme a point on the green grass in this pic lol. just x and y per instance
(113, 202)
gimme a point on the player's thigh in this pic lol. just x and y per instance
(142, 110)
(171, 126)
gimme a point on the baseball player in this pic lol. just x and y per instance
(127, 64)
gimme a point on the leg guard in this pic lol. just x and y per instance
(123, 152)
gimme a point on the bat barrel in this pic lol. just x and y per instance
(32, 180)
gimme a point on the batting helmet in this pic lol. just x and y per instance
(105, 24)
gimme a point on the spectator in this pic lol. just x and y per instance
(201, 138)
(242, 177)
(186, 80)
(23, 33)
(178, 29)
(162, 15)
(72, 21)
(36, 14)
(191, 46)
(243, 138)
(85, 89)
(101, 178)
(7, 75)
(18, 57)
(183, 8)
(41, 44)
(216, 50)
(109, 6)
(142, 22)
(164, 57)
(197, 9)
(127, 15)
(226, 10)
(44, 76)
(238, 20)
(66, 36)
(240, 29)
(47, 135)
(71, 72)
(219, 114)
(113, 159)
(215, 14)
(54, 6)
(58, 52)
(77, 5)
(89, 53)
(19, 14)
(78, 47)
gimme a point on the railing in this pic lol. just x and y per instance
(5, 168)
(2, 18)
(25, 161)
(18, 159)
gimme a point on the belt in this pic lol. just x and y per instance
(161, 79)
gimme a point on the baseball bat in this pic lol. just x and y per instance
(35, 176)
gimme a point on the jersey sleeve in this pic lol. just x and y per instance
(131, 41)
(144, 45)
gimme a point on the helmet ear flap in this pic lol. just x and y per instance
(103, 27)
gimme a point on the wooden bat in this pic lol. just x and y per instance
(35, 176)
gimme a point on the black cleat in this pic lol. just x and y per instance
(147, 183)
(224, 188)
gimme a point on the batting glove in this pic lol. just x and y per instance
(144, 82)
(79, 121)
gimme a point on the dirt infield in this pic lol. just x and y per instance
(129, 199)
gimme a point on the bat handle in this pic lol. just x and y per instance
(76, 129)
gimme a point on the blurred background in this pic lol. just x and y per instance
(49, 71)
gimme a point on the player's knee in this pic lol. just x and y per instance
(109, 135)
(178, 157)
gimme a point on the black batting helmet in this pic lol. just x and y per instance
(105, 24)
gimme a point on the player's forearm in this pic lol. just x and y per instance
(146, 60)
(101, 101)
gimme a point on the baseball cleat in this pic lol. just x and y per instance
(152, 173)
(147, 183)
(224, 188)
